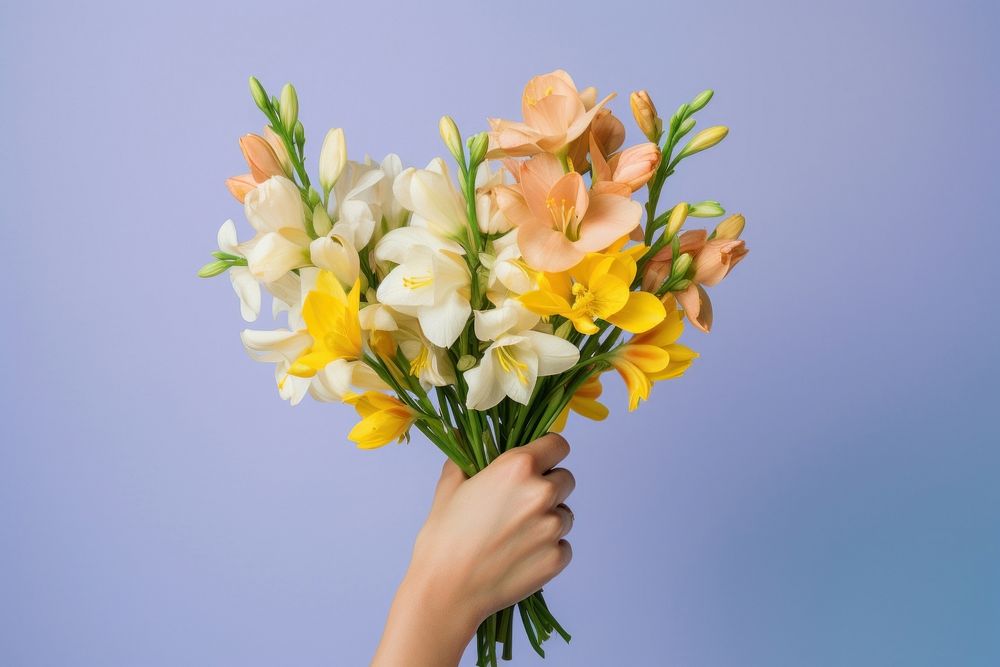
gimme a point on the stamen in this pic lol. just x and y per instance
(509, 363)
(416, 282)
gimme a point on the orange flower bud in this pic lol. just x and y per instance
(261, 158)
(645, 115)
(636, 165)
(697, 306)
(731, 227)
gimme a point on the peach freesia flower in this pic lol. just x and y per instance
(716, 259)
(606, 130)
(554, 114)
(558, 220)
(266, 157)
(634, 166)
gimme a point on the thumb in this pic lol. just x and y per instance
(451, 477)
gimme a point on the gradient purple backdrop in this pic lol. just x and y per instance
(821, 489)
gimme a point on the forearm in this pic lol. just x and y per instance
(423, 629)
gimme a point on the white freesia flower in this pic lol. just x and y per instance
(432, 196)
(337, 255)
(431, 282)
(332, 158)
(277, 214)
(490, 218)
(508, 275)
(244, 284)
(428, 362)
(513, 363)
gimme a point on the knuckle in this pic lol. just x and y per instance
(519, 464)
(543, 496)
(551, 527)
(559, 557)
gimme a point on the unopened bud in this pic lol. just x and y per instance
(701, 99)
(707, 209)
(686, 126)
(321, 221)
(451, 137)
(564, 329)
(680, 285)
(259, 95)
(730, 228)
(312, 197)
(681, 266)
(213, 269)
(465, 362)
(704, 140)
(332, 158)
(477, 147)
(676, 220)
(299, 135)
(644, 112)
(289, 107)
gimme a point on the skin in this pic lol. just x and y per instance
(488, 542)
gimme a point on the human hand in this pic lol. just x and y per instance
(488, 542)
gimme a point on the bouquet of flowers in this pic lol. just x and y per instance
(481, 308)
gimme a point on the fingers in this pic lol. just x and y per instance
(564, 482)
(547, 451)
(565, 514)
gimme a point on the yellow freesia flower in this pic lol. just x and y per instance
(598, 288)
(653, 356)
(383, 419)
(331, 318)
(584, 403)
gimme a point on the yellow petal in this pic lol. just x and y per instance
(641, 312)
(647, 358)
(560, 423)
(544, 303)
(636, 382)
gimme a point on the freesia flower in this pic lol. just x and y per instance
(435, 201)
(383, 419)
(584, 402)
(598, 288)
(558, 220)
(431, 281)
(244, 284)
(331, 318)
(606, 131)
(514, 361)
(275, 210)
(652, 356)
(554, 112)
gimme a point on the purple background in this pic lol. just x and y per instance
(821, 489)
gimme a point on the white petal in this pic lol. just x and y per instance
(248, 290)
(397, 288)
(512, 382)
(280, 345)
(338, 256)
(227, 238)
(555, 354)
(274, 255)
(356, 223)
(399, 244)
(443, 323)
(484, 386)
(275, 204)
(332, 158)
(365, 182)
(290, 387)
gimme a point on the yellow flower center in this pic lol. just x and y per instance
(420, 362)
(563, 214)
(509, 363)
(584, 301)
(416, 282)
(532, 101)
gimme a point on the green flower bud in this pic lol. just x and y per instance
(681, 266)
(259, 95)
(564, 329)
(704, 140)
(299, 135)
(478, 144)
(213, 269)
(686, 126)
(680, 286)
(707, 209)
(321, 221)
(678, 214)
(289, 106)
(701, 100)
(451, 137)
(465, 362)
